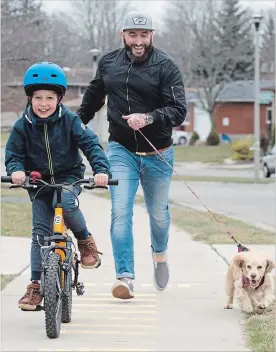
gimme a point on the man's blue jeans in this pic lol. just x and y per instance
(43, 217)
(155, 177)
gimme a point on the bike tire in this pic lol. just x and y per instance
(66, 313)
(52, 299)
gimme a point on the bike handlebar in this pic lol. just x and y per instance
(39, 182)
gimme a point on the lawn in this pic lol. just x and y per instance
(6, 279)
(16, 215)
(203, 153)
(261, 331)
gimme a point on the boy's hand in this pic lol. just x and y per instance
(18, 177)
(101, 179)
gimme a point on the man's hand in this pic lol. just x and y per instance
(136, 121)
(101, 179)
(18, 177)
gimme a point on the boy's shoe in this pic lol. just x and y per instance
(161, 275)
(123, 289)
(89, 255)
(32, 298)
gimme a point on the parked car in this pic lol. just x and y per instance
(180, 137)
(269, 162)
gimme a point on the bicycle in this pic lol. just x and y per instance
(59, 259)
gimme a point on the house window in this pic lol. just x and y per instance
(225, 121)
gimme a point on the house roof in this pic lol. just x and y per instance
(242, 91)
(239, 91)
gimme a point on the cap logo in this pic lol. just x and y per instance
(139, 20)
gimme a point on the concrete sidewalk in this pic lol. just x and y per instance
(189, 316)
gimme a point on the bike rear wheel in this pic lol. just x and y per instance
(53, 296)
(66, 313)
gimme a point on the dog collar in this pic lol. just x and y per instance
(246, 282)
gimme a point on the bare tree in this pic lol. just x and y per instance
(22, 40)
(200, 39)
(99, 23)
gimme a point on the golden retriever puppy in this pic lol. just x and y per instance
(250, 275)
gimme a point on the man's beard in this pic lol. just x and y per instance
(147, 51)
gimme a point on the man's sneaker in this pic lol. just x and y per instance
(89, 255)
(32, 298)
(123, 289)
(161, 275)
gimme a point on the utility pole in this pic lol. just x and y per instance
(95, 60)
(257, 20)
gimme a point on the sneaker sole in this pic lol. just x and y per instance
(27, 307)
(91, 266)
(122, 292)
(157, 287)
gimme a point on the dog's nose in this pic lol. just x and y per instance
(253, 276)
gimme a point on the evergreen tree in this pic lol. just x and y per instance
(234, 31)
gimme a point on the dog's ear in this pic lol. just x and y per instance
(269, 266)
(239, 260)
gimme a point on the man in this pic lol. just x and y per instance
(145, 92)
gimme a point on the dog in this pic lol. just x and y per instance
(250, 275)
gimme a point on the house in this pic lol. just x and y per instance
(234, 111)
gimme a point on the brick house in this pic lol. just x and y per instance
(234, 112)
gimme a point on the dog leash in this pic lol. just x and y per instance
(241, 248)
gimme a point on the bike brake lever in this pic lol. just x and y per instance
(15, 186)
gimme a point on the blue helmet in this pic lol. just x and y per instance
(45, 75)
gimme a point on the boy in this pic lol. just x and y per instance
(47, 139)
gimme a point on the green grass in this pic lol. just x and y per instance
(204, 228)
(261, 331)
(203, 153)
(223, 179)
(6, 279)
(16, 219)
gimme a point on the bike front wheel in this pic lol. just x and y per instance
(53, 296)
(67, 300)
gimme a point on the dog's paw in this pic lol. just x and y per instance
(262, 306)
(228, 306)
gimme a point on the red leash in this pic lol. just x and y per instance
(241, 248)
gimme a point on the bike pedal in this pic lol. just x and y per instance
(80, 288)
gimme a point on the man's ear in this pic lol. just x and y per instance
(122, 35)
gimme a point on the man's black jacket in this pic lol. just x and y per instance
(154, 86)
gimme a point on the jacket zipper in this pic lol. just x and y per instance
(129, 111)
(49, 153)
(172, 88)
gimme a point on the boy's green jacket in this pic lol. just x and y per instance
(51, 146)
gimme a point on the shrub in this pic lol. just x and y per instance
(213, 138)
(241, 149)
(194, 138)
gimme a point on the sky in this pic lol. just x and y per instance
(157, 7)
